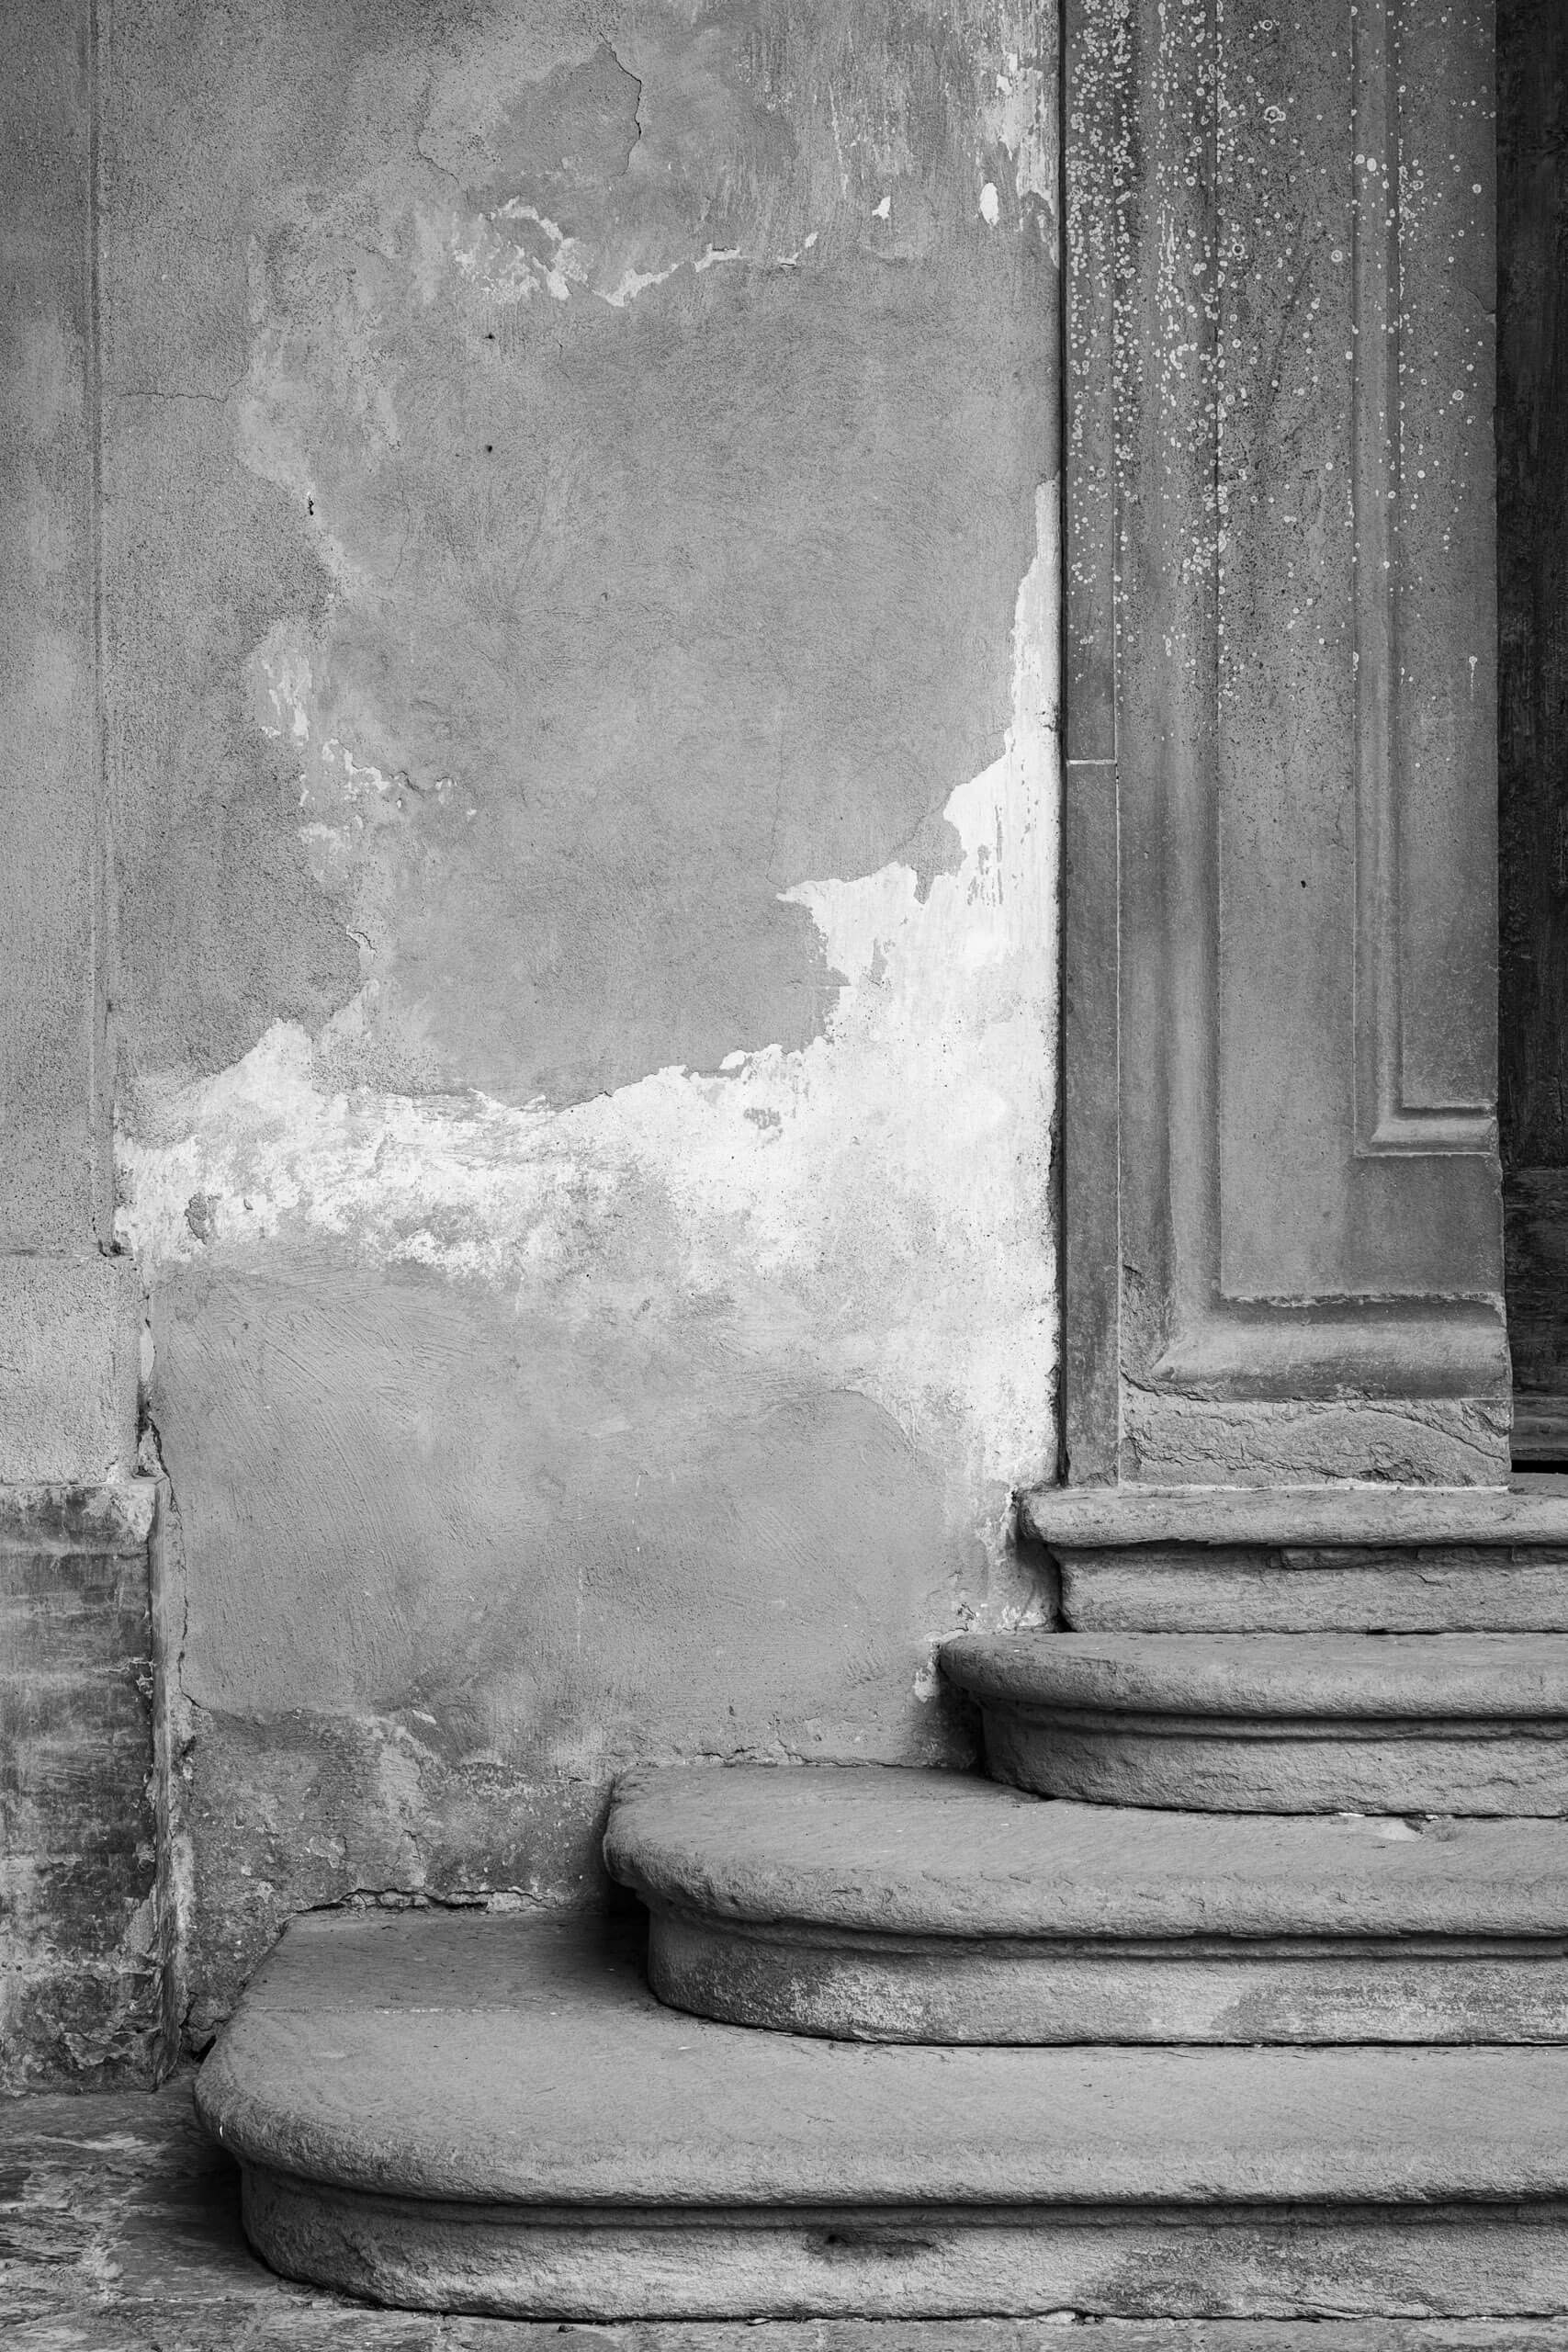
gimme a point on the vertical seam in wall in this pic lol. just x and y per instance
(1121, 1442)
(100, 1121)
(167, 1600)
(170, 1739)
(1057, 1193)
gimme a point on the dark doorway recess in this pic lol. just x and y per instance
(1532, 558)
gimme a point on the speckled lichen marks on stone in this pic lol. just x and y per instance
(1282, 948)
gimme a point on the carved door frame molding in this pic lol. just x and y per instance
(1216, 1328)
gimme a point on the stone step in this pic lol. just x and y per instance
(1260, 1723)
(1354, 1559)
(472, 2112)
(118, 2237)
(886, 1905)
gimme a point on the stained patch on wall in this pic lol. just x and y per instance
(676, 1422)
(639, 451)
(590, 1151)
(883, 1187)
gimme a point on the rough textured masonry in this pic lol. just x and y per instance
(82, 1921)
(580, 713)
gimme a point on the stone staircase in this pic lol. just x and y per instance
(1238, 1989)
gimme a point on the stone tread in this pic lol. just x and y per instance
(1430, 1677)
(521, 2061)
(122, 2233)
(1533, 1510)
(887, 1852)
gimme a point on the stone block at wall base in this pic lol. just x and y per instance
(70, 1342)
(81, 1934)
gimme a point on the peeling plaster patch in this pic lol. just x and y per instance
(873, 1206)
(621, 443)
(638, 281)
(792, 261)
(683, 131)
(506, 273)
(342, 795)
(622, 156)
(1019, 118)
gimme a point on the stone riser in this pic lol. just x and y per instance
(1235, 1764)
(1349, 1560)
(1301, 1589)
(1215, 2261)
(865, 1988)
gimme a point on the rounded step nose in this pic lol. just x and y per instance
(1470, 1723)
(877, 1904)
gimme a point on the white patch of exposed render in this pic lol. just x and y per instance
(634, 282)
(270, 450)
(568, 262)
(341, 793)
(507, 273)
(793, 260)
(875, 1203)
(282, 670)
(1020, 115)
(502, 272)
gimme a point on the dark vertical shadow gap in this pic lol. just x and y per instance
(1532, 566)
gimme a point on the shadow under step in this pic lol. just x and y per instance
(873, 1903)
(493, 2114)
(1471, 1723)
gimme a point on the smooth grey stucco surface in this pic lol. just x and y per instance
(580, 701)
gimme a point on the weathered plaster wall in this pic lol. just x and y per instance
(581, 703)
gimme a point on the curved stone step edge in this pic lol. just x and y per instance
(1466, 1724)
(449, 2112)
(902, 1851)
(873, 1904)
